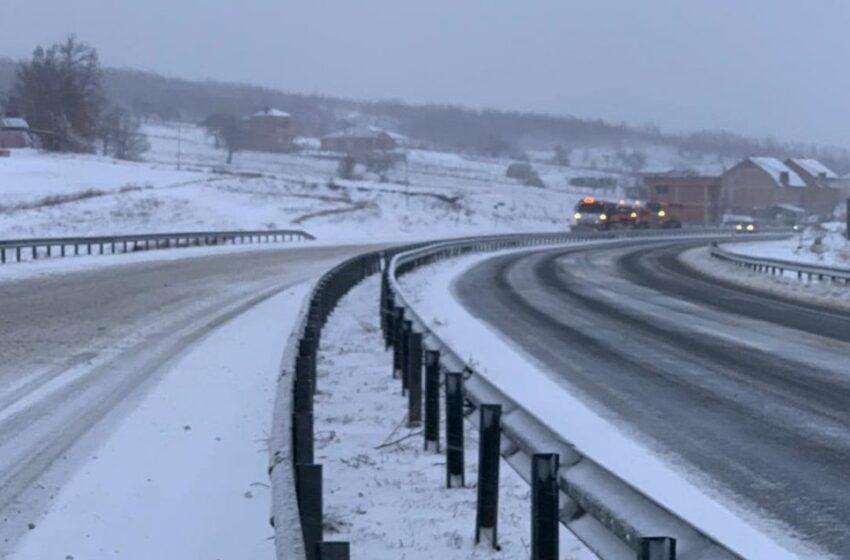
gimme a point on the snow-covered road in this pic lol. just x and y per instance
(83, 350)
(734, 399)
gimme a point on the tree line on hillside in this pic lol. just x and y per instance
(143, 95)
(59, 91)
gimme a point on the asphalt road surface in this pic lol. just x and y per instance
(748, 393)
(78, 349)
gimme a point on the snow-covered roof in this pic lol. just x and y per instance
(775, 168)
(14, 122)
(367, 132)
(269, 112)
(815, 168)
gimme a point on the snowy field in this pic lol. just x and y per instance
(382, 492)
(499, 360)
(433, 194)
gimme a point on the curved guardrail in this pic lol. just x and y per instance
(779, 266)
(17, 250)
(611, 517)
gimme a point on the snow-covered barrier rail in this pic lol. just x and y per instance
(614, 519)
(780, 267)
(16, 250)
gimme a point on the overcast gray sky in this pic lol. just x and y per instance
(761, 67)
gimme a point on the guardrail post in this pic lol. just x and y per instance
(309, 490)
(404, 343)
(432, 400)
(544, 506)
(454, 431)
(657, 548)
(333, 551)
(414, 379)
(18, 253)
(398, 327)
(302, 436)
(489, 445)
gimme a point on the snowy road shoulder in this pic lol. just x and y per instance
(184, 474)
(550, 399)
(382, 491)
(827, 294)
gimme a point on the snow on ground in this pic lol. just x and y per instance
(389, 499)
(184, 474)
(824, 293)
(549, 397)
(54, 194)
(824, 244)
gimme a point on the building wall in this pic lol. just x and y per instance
(821, 196)
(747, 187)
(698, 198)
(16, 139)
(268, 134)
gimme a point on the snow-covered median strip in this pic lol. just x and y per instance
(382, 492)
(824, 293)
(541, 392)
(824, 245)
(184, 474)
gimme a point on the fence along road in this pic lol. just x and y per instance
(16, 250)
(111, 329)
(748, 391)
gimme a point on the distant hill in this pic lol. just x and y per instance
(488, 132)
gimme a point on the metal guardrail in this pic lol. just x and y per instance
(298, 530)
(779, 266)
(17, 250)
(614, 519)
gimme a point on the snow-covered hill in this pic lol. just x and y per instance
(433, 194)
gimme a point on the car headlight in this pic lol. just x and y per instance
(661, 213)
(603, 217)
(633, 214)
(751, 227)
(739, 227)
(577, 216)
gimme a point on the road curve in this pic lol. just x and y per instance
(746, 393)
(80, 348)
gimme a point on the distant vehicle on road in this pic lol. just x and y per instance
(663, 216)
(746, 227)
(591, 213)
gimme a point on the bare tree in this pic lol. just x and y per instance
(121, 136)
(562, 155)
(227, 131)
(59, 90)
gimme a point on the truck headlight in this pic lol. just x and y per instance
(661, 213)
(603, 217)
(577, 215)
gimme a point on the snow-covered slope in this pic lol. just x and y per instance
(434, 194)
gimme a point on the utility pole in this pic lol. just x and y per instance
(847, 217)
(179, 143)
